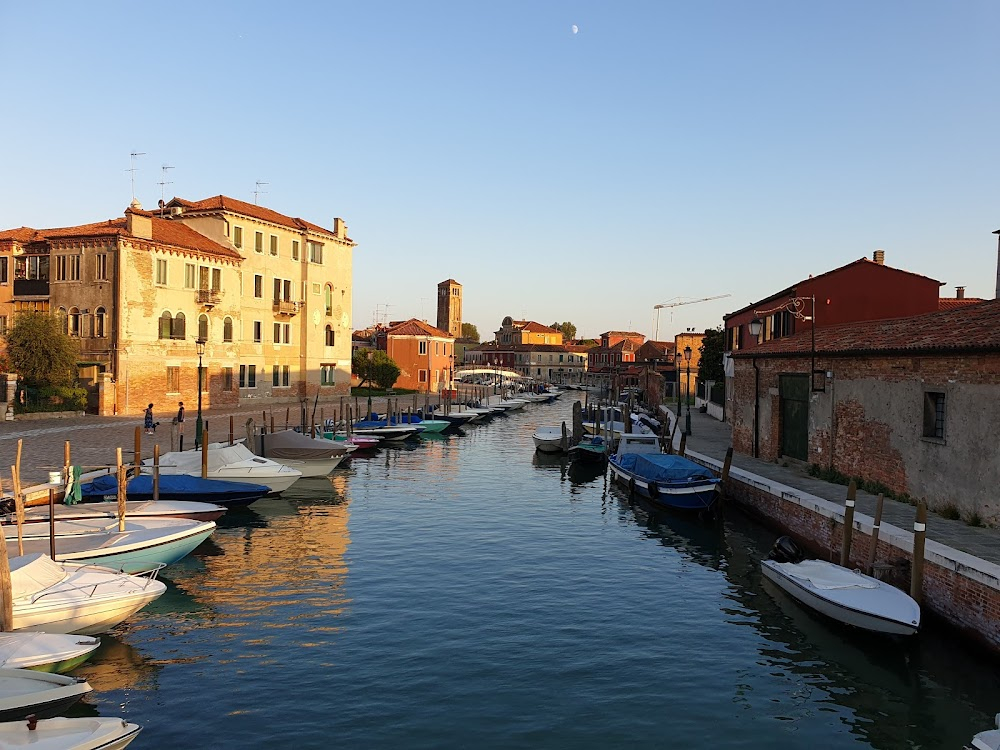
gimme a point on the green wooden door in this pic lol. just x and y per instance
(794, 393)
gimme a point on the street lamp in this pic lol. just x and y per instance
(795, 306)
(687, 417)
(200, 346)
(677, 371)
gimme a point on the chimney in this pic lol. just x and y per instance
(959, 292)
(339, 229)
(137, 224)
(879, 256)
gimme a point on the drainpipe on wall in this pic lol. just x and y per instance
(756, 409)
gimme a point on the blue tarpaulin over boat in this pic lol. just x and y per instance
(665, 468)
(175, 487)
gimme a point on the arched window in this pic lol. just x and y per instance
(329, 335)
(63, 320)
(203, 327)
(328, 298)
(74, 321)
(100, 323)
(227, 330)
(178, 328)
(166, 325)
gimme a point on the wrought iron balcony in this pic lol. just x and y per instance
(209, 297)
(285, 307)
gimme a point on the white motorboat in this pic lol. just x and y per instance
(230, 462)
(55, 597)
(45, 652)
(104, 733)
(133, 509)
(988, 740)
(507, 404)
(845, 595)
(388, 433)
(551, 439)
(314, 457)
(24, 692)
(145, 543)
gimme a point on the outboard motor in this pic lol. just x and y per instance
(785, 551)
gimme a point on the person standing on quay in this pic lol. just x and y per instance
(180, 416)
(147, 421)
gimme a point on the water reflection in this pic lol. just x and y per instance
(116, 665)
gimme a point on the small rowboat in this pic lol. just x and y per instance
(104, 733)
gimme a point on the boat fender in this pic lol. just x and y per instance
(631, 488)
(654, 491)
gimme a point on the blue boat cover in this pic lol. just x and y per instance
(173, 484)
(665, 468)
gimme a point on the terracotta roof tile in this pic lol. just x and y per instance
(533, 327)
(414, 327)
(967, 327)
(21, 234)
(168, 232)
(225, 203)
(950, 303)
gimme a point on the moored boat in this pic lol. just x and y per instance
(133, 509)
(668, 480)
(314, 457)
(847, 596)
(590, 449)
(45, 652)
(988, 740)
(55, 597)
(60, 733)
(232, 462)
(25, 692)
(551, 439)
(176, 487)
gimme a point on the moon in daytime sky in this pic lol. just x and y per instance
(575, 28)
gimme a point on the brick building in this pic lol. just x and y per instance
(911, 403)
(425, 354)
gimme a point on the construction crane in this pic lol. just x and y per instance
(671, 303)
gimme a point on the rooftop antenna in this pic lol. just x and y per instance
(163, 183)
(258, 191)
(132, 168)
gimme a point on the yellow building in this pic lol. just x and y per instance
(526, 332)
(270, 296)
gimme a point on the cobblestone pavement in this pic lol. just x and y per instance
(712, 438)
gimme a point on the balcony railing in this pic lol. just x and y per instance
(209, 297)
(285, 307)
(31, 288)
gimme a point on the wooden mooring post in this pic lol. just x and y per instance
(122, 491)
(873, 548)
(6, 592)
(156, 473)
(919, 537)
(204, 452)
(845, 545)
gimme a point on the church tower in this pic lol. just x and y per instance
(449, 316)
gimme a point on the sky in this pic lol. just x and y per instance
(663, 152)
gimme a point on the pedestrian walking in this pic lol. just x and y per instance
(147, 421)
(180, 412)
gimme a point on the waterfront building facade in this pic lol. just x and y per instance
(269, 295)
(425, 354)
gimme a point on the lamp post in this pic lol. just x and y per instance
(754, 326)
(200, 346)
(795, 306)
(677, 371)
(687, 417)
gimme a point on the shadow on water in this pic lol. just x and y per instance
(582, 472)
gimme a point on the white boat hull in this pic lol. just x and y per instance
(878, 607)
(60, 733)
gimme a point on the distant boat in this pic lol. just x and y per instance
(24, 692)
(45, 652)
(60, 733)
(845, 595)
(145, 543)
(56, 597)
(590, 449)
(314, 457)
(386, 433)
(176, 487)
(551, 439)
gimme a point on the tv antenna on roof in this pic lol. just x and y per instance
(258, 191)
(132, 156)
(163, 183)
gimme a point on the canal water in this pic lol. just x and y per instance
(465, 592)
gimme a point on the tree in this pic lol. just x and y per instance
(40, 352)
(375, 367)
(469, 331)
(567, 328)
(711, 349)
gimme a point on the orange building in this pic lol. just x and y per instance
(425, 354)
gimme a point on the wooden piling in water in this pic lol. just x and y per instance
(156, 473)
(204, 452)
(873, 547)
(6, 593)
(683, 448)
(845, 546)
(724, 477)
(230, 429)
(121, 490)
(577, 422)
(919, 537)
(18, 508)
(52, 523)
